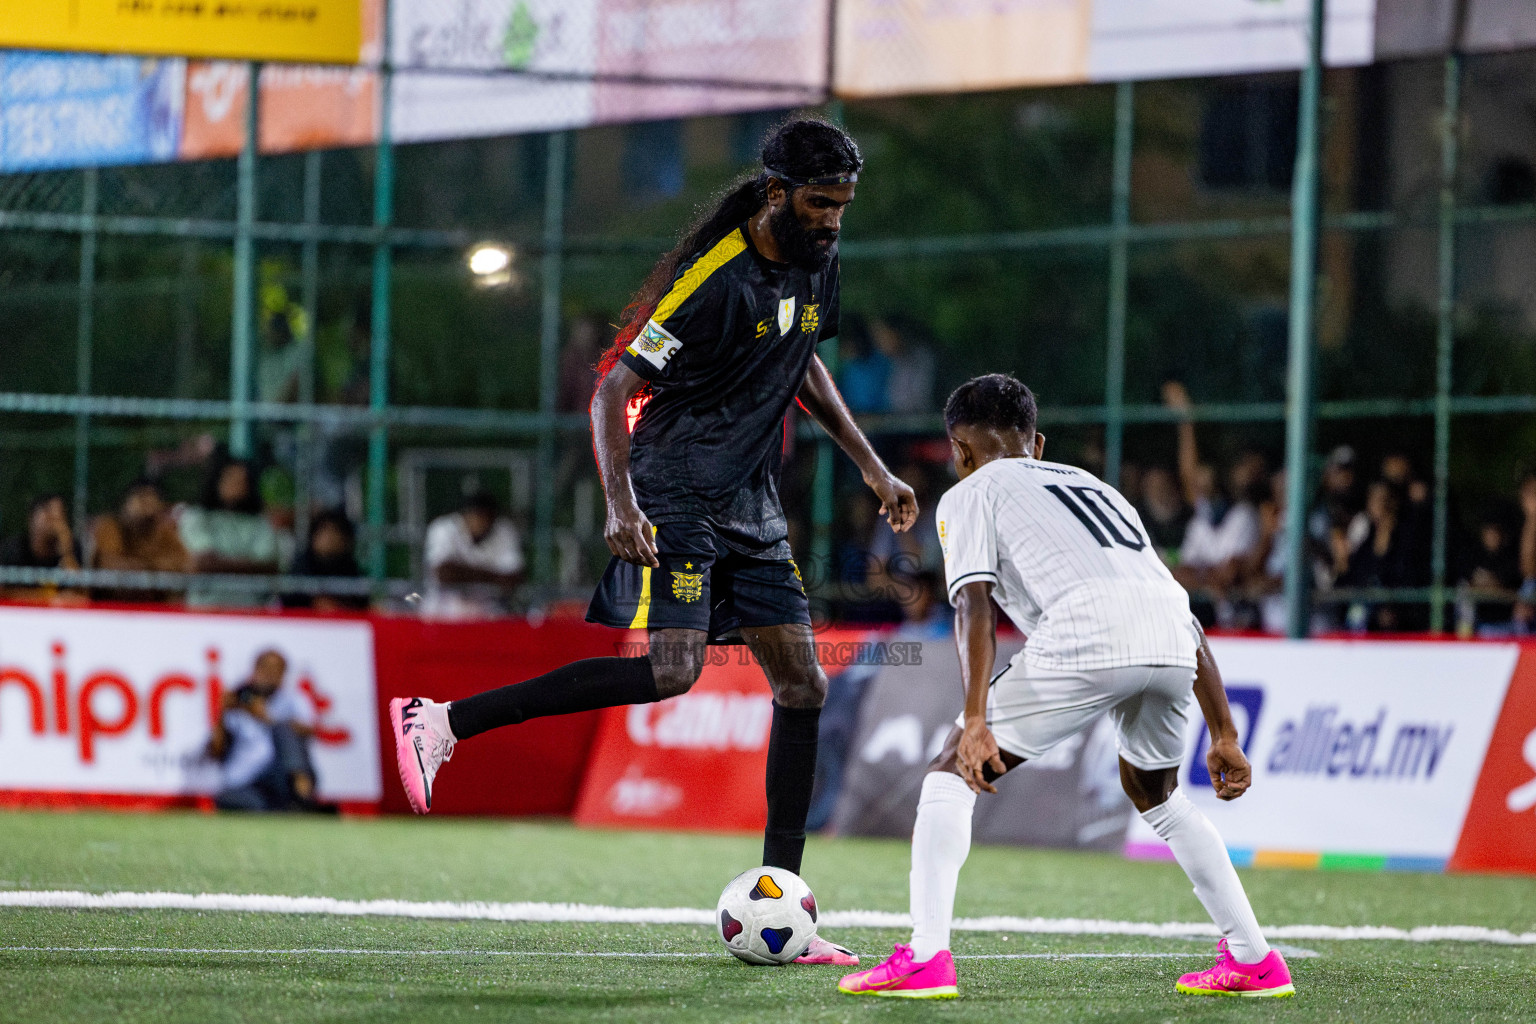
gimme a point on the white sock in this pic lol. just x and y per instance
(1200, 852)
(941, 839)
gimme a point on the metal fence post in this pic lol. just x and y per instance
(309, 298)
(85, 327)
(1300, 381)
(1445, 335)
(378, 342)
(549, 354)
(1119, 277)
(242, 315)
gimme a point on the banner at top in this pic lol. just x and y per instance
(317, 31)
(887, 47)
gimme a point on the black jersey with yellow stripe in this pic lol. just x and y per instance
(725, 353)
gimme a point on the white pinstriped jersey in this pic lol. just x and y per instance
(1070, 564)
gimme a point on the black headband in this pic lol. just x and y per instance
(844, 178)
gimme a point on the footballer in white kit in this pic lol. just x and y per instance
(1109, 630)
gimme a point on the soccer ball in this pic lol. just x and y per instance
(766, 916)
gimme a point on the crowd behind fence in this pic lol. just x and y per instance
(1053, 254)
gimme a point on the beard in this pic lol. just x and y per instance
(800, 247)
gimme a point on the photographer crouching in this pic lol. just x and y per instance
(262, 745)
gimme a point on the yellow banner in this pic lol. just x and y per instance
(317, 31)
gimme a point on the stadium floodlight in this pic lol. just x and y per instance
(491, 264)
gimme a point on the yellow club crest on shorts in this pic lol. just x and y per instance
(688, 586)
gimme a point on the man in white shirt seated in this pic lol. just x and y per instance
(474, 561)
(262, 742)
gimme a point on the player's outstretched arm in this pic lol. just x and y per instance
(819, 397)
(1230, 773)
(627, 530)
(976, 635)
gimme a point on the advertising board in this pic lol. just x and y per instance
(324, 31)
(1363, 753)
(111, 702)
(65, 110)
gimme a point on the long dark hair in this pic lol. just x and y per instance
(803, 147)
(251, 503)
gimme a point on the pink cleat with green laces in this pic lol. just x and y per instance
(898, 977)
(1269, 977)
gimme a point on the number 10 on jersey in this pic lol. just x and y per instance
(1089, 505)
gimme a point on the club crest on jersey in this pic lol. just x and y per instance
(810, 318)
(654, 344)
(687, 586)
(786, 314)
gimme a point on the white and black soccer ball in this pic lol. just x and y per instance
(766, 916)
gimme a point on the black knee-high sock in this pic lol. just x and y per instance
(580, 686)
(791, 770)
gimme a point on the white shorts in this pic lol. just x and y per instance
(1030, 709)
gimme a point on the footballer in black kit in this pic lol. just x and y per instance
(719, 340)
(724, 355)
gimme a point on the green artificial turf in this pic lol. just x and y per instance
(94, 965)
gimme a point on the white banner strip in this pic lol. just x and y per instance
(173, 950)
(582, 913)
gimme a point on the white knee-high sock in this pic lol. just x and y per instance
(941, 840)
(1198, 848)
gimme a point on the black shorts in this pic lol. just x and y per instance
(701, 584)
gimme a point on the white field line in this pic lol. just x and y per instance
(177, 951)
(572, 913)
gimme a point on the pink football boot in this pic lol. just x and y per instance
(423, 742)
(820, 951)
(899, 977)
(1269, 977)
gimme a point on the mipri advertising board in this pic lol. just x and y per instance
(1364, 754)
(96, 703)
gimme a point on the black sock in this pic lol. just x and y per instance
(580, 686)
(791, 771)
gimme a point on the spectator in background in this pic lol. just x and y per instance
(1383, 559)
(48, 543)
(228, 534)
(1331, 526)
(909, 385)
(474, 561)
(1522, 618)
(1491, 563)
(863, 372)
(140, 536)
(1417, 514)
(1224, 532)
(331, 552)
(1265, 571)
(1163, 511)
(262, 744)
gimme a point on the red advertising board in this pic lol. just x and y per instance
(695, 761)
(1500, 829)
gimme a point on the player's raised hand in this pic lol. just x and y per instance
(1230, 773)
(976, 752)
(898, 502)
(630, 535)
